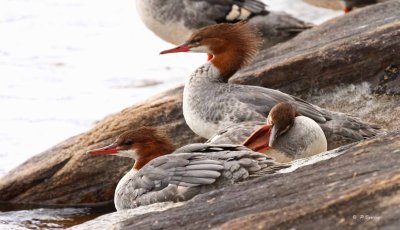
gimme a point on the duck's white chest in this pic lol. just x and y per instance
(304, 139)
(196, 122)
(122, 191)
(316, 140)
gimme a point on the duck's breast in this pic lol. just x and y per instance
(304, 139)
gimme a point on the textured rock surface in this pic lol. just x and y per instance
(109, 220)
(389, 82)
(331, 4)
(359, 189)
(351, 49)
(357, 99)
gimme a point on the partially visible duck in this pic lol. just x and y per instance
(350, 4)
(161, 173)
(288, 135)
(211, 103)
(174, 21)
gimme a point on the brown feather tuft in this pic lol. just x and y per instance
(148, 142)
(232, 45)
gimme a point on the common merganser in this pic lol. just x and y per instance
(350, 4)
(173, 21)
(211, 104)
(288, 135)
(161, 174)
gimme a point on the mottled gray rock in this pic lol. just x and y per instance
(359, 189)
(331, 4)
(389, 81)
(109, 221)
(349, 49)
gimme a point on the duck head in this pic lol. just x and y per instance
(280, 120)
(142, 145)
(230, 46)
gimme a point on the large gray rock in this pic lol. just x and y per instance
(108, 221)
(331, 4)
(353, 187)
(359, 189)
(351, 49)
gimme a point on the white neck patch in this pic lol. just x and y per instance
(200, 49)
(128, 153)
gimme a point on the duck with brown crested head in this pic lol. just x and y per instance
(173, 21)
(349, 5)
(287, 135)
(162, 174)
(211, 103)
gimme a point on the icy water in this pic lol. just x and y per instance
(33, 217)
(65, 64)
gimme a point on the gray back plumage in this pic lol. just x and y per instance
(236, 133)
(234, 104)
(185, 173)
(199, 13)
(339, 128)
(275, 27)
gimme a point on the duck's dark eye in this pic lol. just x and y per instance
(128, 142)
(196, 40)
